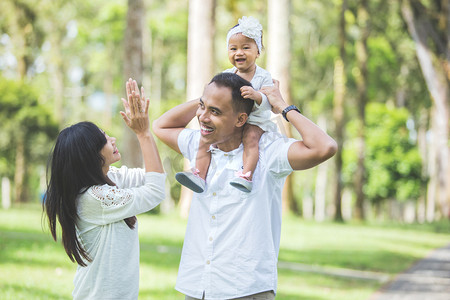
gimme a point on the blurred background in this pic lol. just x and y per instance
(373, 74)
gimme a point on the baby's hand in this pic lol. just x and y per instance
(274, 96)
(247, 92)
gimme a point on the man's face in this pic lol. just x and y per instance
(218, 121)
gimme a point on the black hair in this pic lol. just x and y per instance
(234, 82)
(75, 164)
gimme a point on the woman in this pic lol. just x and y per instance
(96, 204)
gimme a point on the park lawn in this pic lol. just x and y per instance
(32, 266)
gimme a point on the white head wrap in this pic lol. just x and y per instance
(250, 27)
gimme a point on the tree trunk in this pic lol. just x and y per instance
(432, 182)
(21, 29)
(434, 67)
(20, 173)
(133, 67)
(200, 60)
(6, 193)
(201, 29)
(57, 77)
(108, 90)
(339, 113)
(426, 153)
(361, 82)
(400, 95)
(157, 74)
(278, 62)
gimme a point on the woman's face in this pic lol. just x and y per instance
(109, 152)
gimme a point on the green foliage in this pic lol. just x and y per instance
(392, 160)
(314, 49)
(394, 72)
(23, 119)
(35, 267)
(58, 39)
(97, 49)
(384, 68)
(167, 26)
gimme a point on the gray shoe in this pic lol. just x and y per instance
(191, 181)
(242, 184)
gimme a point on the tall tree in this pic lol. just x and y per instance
(133, 67)
(339, 111)
(278, 62)
(54, 17)
(200, 63)
(361, 83)
(26, 124)
(429, 26)
(25, 36)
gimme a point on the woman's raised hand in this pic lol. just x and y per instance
(136, 108)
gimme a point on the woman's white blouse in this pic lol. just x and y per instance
(112, 245)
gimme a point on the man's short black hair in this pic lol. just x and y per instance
(235, 82)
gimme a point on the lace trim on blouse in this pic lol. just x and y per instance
(110, 195)
(113, 170)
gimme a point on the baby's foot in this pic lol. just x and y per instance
(191, 180)
(242, 181)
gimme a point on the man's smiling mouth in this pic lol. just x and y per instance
(206, 129)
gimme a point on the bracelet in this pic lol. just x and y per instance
(288, 109)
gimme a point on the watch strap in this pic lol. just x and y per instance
(288, 109)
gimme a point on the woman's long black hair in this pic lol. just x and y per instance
(75, 165)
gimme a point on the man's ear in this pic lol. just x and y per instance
(242, 119)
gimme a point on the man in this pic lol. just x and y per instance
(232, 239)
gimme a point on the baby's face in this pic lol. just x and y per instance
(242, 52)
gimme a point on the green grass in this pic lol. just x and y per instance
(34, 267)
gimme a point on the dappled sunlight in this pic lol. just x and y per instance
(32, 262)
(358, 247)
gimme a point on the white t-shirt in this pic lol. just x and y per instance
(261, 114)
(112, 245)
(232, 238)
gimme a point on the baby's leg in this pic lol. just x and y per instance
(196, 180)
(203, 159)
(250, 139)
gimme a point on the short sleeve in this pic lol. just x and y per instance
(267, 80)
(231, 70)
(261, 78)
(188, 141)
(275, 153)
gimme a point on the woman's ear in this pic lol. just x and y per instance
(242, 119)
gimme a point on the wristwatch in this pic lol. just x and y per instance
(288, 109)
